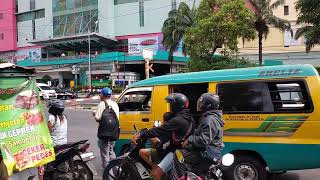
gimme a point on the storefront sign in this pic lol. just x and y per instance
(25, 140)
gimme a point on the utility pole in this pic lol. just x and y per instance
(148, 56)
(89, 54)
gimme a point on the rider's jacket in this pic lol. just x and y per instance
(179, 125)
(209, 132)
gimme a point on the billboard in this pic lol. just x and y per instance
(136, 45)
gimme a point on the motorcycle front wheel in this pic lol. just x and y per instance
(82, 170)
(118, 169)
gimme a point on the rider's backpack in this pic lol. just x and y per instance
(109, 128)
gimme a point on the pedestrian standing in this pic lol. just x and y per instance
(107, 115)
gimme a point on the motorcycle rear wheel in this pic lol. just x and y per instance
(83, 170)
(119, 170)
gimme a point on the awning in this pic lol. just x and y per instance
(78, 42)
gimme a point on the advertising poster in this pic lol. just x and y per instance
(136, 45)
(25, 140)
(33, 54)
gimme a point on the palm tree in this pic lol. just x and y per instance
(309, 15)
(263, 10)
(174, 27)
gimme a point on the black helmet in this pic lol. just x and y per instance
(56, 107)
(177, 101)
(208, 102)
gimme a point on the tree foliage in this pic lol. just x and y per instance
(218, 23)
(309, 16)
(218, 62)
(263, 10)
(174, 26)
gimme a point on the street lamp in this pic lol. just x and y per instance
(89, 49)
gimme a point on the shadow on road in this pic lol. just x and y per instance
(286, 176)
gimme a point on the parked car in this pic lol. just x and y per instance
(46, 92)
(65, 93)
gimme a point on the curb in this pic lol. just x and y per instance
(91, 98)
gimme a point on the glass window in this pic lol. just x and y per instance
(173, 4)
(290, 96)
(32, 4)
(116, 2)
(250, 97)
(286, 10)
(33, 29)
(70, 4)
(266, 97)
(141, 13)
(136, 101)
(31, 15)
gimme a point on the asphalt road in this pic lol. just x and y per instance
(81, 125)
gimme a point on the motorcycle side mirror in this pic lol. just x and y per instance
(228, 159)
(157, 123)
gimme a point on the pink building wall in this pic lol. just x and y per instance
(8, 25)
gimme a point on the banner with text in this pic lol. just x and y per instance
(25, 140)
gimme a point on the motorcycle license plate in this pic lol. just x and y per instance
(87, 156)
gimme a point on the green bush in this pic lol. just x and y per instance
(218, 62)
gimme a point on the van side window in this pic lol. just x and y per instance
(265, 97)
(135, 101)
(245, 97)
(290, 96)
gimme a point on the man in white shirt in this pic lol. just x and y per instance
(106, 147)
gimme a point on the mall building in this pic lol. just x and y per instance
(55, 35)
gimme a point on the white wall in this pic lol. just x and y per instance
(156, 11)
(23, 5)
(106, 17)
(43, 26)
(127, 17)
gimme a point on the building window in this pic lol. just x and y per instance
(32, 4)
(1, 15)
(173, 4)
(286, 10)
(1, 36)
(265, 97)
(34, 29)
(31, 15)
(141, 13)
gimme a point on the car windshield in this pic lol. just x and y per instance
(45, 88)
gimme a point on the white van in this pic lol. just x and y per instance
(46, 92)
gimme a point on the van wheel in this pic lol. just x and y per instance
(246, 168)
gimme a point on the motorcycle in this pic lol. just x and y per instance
(73, 161)
(208, 169)
(129, 166)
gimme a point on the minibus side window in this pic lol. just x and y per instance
(245, 97)
(265, 97)
(135, 101)
(290, 96)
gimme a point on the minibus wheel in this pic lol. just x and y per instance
(246, 168)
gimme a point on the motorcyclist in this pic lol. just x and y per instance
(206, 140)
(160, 147)
(177, 129)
